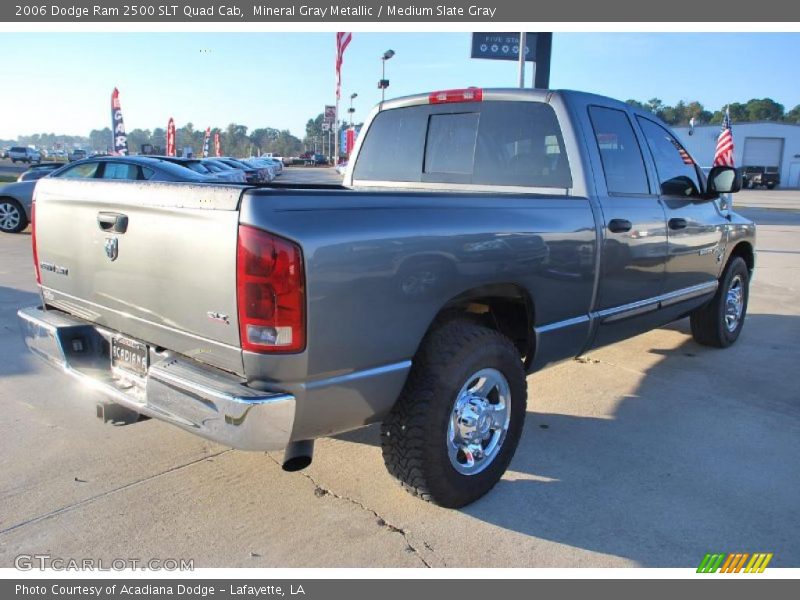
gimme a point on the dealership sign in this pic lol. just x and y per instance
(502, 46)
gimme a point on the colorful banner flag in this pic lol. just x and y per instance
(206, 142)
(171, 137)
(119, 138)
(723, 155)
(342, 41)
(217, 145)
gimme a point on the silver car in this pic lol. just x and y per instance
(16, 198)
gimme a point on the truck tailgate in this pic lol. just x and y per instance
(153, 261)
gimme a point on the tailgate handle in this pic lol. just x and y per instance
(109, 221)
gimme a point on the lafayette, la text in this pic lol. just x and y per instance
(380, 11)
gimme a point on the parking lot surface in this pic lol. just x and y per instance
(651, 452)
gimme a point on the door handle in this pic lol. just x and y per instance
(109, 221)
(619, 225)
(677, 223)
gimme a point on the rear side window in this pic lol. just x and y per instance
(620, 153)
(81, 171)
(676, 170)
(115, 170)
(488, 143)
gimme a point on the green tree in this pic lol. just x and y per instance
(793, 116)
(765, 109)
(100, 139)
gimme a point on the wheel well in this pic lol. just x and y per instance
(745, 251)
(507, 308)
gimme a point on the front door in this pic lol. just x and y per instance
(695, 226)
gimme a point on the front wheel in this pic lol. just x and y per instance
(455, 428)
(720, 322)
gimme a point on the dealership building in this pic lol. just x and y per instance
(762, 144)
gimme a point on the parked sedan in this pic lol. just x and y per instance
(253, 174)
(16, 198)
(207, 168)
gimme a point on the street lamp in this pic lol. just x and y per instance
(384, 83)
(351, 110)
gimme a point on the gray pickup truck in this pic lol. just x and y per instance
(479, 235)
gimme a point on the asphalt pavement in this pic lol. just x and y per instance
(651, 452)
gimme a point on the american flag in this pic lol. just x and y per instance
(342, 41)
(723, 156)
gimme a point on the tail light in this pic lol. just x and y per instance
(33, 244)
(271, 292)
(447, 96)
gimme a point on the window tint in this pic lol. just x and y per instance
(520, 143)
(81, 171)
(676, 169)
(450, 146)
(488, 143)
(146, 173)
(392, 150)
(118, 170)
(623, 164)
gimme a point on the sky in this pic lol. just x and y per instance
(62, 83)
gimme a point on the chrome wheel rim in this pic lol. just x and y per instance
(734, 303)
(9, 216)
(479, 421)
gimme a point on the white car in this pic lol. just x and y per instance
(24, 154)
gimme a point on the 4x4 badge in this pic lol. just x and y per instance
(112, 248)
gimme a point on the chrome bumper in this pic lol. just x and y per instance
(206, 401)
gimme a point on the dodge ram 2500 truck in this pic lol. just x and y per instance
(478, 235)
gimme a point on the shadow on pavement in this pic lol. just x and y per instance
(700, 457)
(15, 356)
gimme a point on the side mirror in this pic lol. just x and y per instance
(724, 180)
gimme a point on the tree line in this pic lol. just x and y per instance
(763, 109)
(235, 140)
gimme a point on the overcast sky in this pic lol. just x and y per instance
(61, 82)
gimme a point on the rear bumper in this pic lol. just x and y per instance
(206, 401)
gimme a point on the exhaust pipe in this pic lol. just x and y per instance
(298, 455)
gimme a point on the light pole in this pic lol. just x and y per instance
(384, 83)
(351, 110)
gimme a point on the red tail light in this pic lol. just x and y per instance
(33, 244)
(447, 96)
(271, 292)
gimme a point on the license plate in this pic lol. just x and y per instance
(129, 356)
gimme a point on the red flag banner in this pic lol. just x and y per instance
(206, 142)
(342, 41)
(217, 145)
(171, 137)
(119, 139)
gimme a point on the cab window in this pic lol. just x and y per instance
(677, 172)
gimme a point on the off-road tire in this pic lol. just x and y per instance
(414, 435)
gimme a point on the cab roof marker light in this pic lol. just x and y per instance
(459, 95)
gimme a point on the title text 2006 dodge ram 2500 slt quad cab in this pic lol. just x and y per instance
(478, 235)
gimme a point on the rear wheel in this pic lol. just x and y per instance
(455, 428)
(720, 322)
(12, 216)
